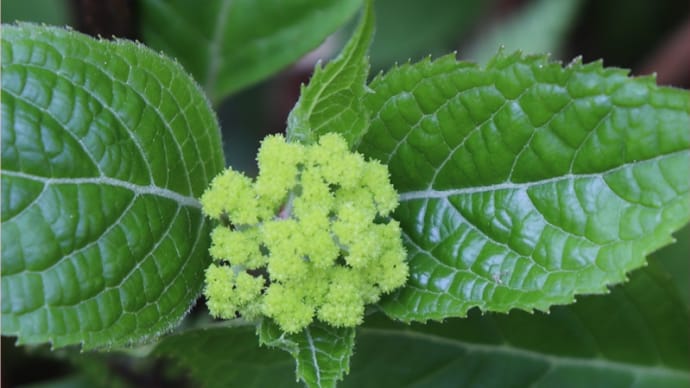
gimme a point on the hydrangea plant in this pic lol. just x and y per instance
(440, 218)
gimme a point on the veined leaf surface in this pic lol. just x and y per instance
(526, 183)
(635, 336)
(105, 148)
(321, 352)
(333, 100)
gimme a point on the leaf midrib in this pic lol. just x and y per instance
(341, 64)
(138, 190)
(312, 351)
(431, 193)
(552, 360)
(215, 45)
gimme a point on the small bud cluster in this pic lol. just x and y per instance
(308, 239)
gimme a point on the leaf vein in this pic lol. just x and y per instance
(49, 114)
(431, 193)
(215, 57)
(138, 190)
(557, 360)
(312, 350)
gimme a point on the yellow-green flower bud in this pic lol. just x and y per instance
(237, 247)
(219, 283)
(307, 240)
(286, 306)
(231, 192)
(343, 304)
(279, 165)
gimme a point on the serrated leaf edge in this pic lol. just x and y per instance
(502, 59)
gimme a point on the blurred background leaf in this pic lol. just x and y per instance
(38, 11)
(229, 45)
(674, 259)
(410, 29)
(537, 27)
(636, 336)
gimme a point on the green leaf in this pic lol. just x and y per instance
(674, 258)
(540, 26)
(228, 45)
(635, 336)
(413, 29)
(105, 148)
(526, 183)
(228, 357)
(322, 352)
(332, 102)
(38, 11)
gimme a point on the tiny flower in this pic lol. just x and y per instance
(287, 306)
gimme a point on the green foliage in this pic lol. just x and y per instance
(230, 44)
(228, 357)
(332, 102)
(627, 338)
(678, 269)
(522, 33)
(526, 183)
(103, 241)
(412, 29)
(39, 11)
(522, 185)
(322, 352)
(636, 334)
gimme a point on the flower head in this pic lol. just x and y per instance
(308, 239)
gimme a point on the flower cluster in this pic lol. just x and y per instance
(310, 238)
